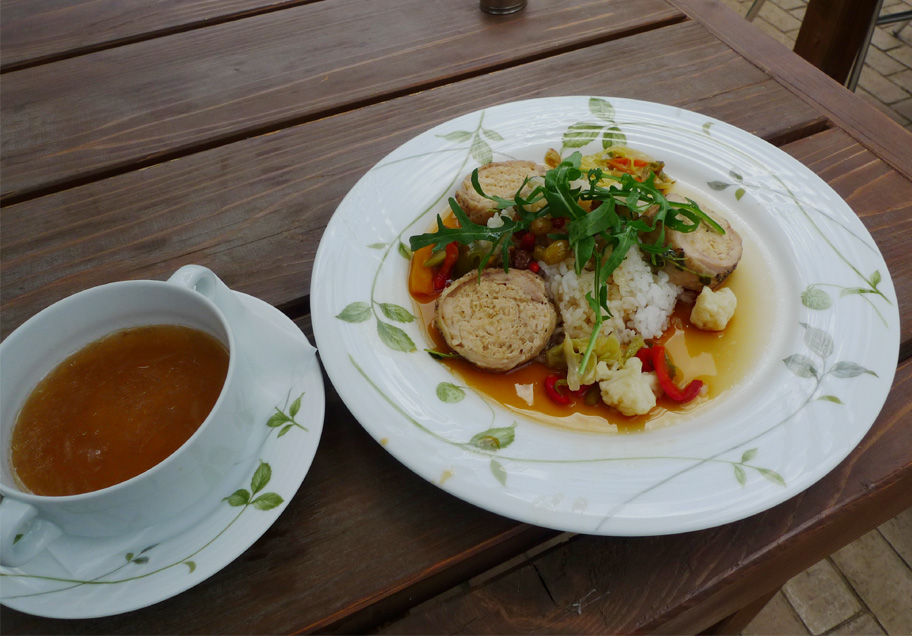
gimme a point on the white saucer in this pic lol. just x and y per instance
(87, 578)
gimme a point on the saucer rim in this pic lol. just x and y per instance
(39, 605)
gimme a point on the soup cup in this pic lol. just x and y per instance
(170, 496)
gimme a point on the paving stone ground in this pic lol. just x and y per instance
(865, 588)
(886, 78)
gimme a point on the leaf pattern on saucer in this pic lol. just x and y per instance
(286, 418)
(255, 496)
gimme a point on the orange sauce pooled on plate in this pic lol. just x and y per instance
(719, 359)
(116, 408)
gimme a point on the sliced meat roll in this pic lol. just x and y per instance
(497, 321)
(704, 257)
(502, 179)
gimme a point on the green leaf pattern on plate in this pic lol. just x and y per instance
(720, 186)
(498, 471)
(821, 344)
(494, 439)
(355, 312)
(397, 313)
(395, 337)
(602, 128)
(816, 298)
(581, 133)
(450, 393)
(813, 297)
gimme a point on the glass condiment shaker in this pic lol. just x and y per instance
(500, 7)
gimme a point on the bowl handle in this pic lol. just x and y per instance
(202, 280)
(22, 534)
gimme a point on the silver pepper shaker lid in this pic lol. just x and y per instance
(500, 7)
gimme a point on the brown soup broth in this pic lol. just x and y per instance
(116, 408)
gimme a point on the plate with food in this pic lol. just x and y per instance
(605, 316)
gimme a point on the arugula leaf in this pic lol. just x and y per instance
(467, 231)
(692, 211)
(627, 209)
(562, 198)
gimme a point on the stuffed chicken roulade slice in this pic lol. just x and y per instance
(703, 257)
(497, 320)
(501, 178)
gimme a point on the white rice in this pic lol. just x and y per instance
(640, 300)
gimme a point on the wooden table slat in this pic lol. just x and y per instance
(338, 517)
(36, 31)
(114, 109)
(874, 129)
(264, 201)
(682, 584)
(140, 137)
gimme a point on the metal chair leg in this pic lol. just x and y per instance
(858, 65)
(754, 9)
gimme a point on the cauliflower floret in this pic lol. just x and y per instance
(713, 309)
(627, 389)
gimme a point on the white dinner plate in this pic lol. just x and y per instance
(828, 338)
(86, 578)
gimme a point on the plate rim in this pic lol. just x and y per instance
(321, 318)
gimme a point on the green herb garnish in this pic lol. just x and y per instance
(628, 210)
(440, 356)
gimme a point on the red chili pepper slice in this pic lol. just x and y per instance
(670, 388)
(446, 268)
(639, 163)
(556, 396)
(645, 356)
(534, 267)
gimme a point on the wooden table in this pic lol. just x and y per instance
(139, 137)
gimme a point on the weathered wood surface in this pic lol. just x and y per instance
(355, 488)
(685, 583)
(36, 31)
(119, 108)
(235, 153)
(875, 130)
(264, 201)
(362, 531)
